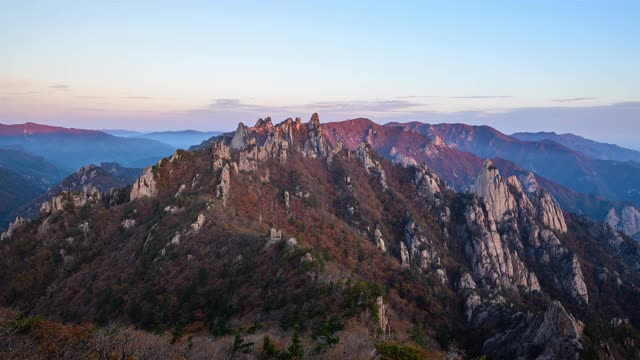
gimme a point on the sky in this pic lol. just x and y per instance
(564, 66)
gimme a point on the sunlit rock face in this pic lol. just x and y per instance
(627, 221)
(145, 186)
(510, 228)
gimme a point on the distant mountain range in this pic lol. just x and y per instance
(613, 180)
(70, 149)
(176, 139)
(594, 149)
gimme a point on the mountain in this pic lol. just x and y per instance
(89, 178)
(176, 139)
(458, 168)
(613, 180)
(23, 177)
(35, 168)
(15, 190)
(594, 149)
(69, 149)
(277, 232)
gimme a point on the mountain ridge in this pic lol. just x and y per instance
(464, 264)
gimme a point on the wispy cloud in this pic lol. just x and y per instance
(574, 99)
(455, 97)
(357, 107)
(481, 97)
(59, 87)
(139, 97)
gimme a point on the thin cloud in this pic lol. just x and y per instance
(574, 99)
(139, 97)
(377, 106)
(454, 97)
(59, 87)
(481, 97)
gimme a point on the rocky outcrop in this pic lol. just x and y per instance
(13, 227)
(490, 185)
(427, 183)
(197, 225)
(509, 228)
(383, 315)
(495, 264)
(221, 154)
(405, 260)
(530, 183)
(65, 198)
(145, 186)
(554, 334)
(378, 240)
(401, 159)
(316, 144)
(549, 212)
(627, 221)
(422, 250)
(241, 137)
(287, 199)
(128, 224)
(372, 165)
(222, 190)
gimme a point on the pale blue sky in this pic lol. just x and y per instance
(534, 65)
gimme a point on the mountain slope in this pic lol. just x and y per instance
(594, 149)
(15, 190)
(69, 149)
(30, 166)
(23, 177)
(272, 224)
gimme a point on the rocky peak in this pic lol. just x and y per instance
(316, 144)
(264, 124)
(549, 212)
(240, 137)
(490, 185)
(145, 186)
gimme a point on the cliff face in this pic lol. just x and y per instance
(201, 240)
(627, 221)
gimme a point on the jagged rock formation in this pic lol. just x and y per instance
(14, 226)
(627, 221)
(427, 183)
(316, 145)
(222, 190)
(145, 186)
(507, 228)
(554, 334)
(370, 164)
(549, 212)
(75, 199)
(378, 240)
(422, 251)
(495, 264)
